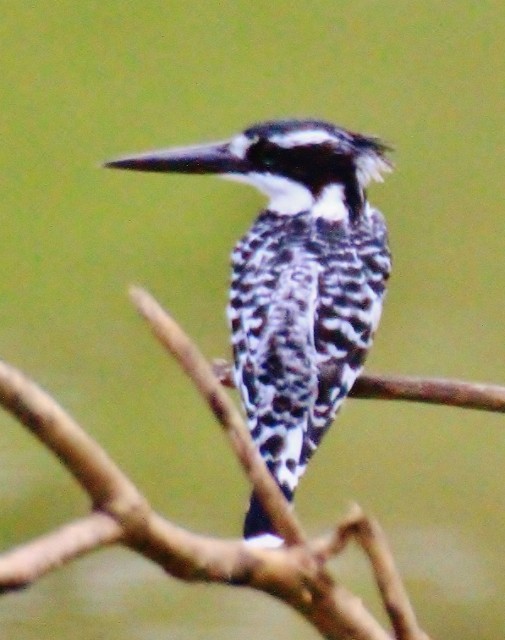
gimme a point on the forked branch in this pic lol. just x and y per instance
(296, 573)
(120, 514)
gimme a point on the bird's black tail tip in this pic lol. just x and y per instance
(257, 522)
(258, 527)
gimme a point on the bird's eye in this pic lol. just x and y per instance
(268, 161)
(263, 153)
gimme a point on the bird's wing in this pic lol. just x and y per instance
(275, 362)
(347, 313)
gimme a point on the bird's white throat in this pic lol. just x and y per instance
(288, 197)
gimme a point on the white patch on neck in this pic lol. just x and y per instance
(331, 203)
(301, 138)
(370, 166)
(287, 197)
(369, 211)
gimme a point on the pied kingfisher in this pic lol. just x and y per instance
(308, 279)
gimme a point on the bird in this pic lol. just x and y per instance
(308, 280)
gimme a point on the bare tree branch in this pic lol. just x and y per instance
(295, 574)
(369, 386)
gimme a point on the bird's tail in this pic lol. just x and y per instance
(257, 522)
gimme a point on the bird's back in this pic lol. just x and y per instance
(305, 301)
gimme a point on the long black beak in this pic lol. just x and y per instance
(208, 158)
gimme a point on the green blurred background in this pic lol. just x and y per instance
(83, 82)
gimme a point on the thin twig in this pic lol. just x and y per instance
(369, 386)
(371, 538)
(455, 393)
(170, 334)
(29, 562)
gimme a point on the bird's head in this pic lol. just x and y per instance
(299, 164)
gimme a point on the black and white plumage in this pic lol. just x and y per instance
(308, 280)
